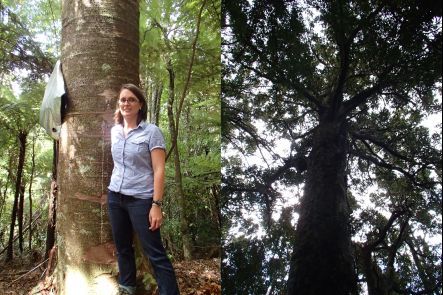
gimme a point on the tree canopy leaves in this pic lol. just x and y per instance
(373, 68)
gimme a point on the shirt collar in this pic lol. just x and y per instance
(142, 125)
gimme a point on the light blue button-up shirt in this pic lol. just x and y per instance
(133, 174)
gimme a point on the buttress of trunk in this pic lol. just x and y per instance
(184, 223)
(21, 161)
(322, 261)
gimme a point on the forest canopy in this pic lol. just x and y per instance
(331, 124)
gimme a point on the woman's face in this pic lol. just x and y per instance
(128, 104)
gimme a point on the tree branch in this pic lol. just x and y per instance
(381, 163)
(364, 136)
(359, 99)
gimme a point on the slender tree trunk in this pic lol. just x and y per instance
(100, 52)
(174, 129)
(20, 211)
(52, 202)
(10, 251)
(322, 261)
(158, 90)
(38, 215)
(21, 162)
(184, 222)
(215, 207)
(30, 192)
(6, 185)
(153, 96)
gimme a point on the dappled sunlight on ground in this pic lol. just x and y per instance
(19, 277)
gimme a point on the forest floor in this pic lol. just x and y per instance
(196, 277)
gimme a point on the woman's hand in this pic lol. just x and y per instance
(155, 217)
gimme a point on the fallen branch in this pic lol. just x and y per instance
(28, 272)
(24, 231)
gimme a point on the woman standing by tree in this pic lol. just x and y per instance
(136, 191)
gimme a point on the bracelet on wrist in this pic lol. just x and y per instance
(158, 203)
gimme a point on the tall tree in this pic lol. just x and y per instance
(100, 52)
(347, 85)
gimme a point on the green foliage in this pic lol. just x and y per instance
(199, 129)
(29, 44)
(373, 68)
(28, 38)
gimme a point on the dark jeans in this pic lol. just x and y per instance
(128, 214)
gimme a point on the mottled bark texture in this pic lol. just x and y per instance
(100, 51)
(323, 237)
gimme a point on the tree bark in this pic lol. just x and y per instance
(18, 181)
(322, 261)
(100, 52)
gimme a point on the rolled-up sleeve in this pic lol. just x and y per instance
(157, 140)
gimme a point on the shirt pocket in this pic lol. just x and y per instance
(140, 145)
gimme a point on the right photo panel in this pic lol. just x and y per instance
(331, 147)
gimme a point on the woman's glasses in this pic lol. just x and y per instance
(130, 100)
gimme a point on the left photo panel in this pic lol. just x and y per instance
(110, 129)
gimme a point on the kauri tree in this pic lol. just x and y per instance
(346, 86)
(99, 52)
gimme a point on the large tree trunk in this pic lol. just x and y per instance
(18, 181)
(100, 51)
(322, 261)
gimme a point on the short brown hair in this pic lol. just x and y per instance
(142, 113)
